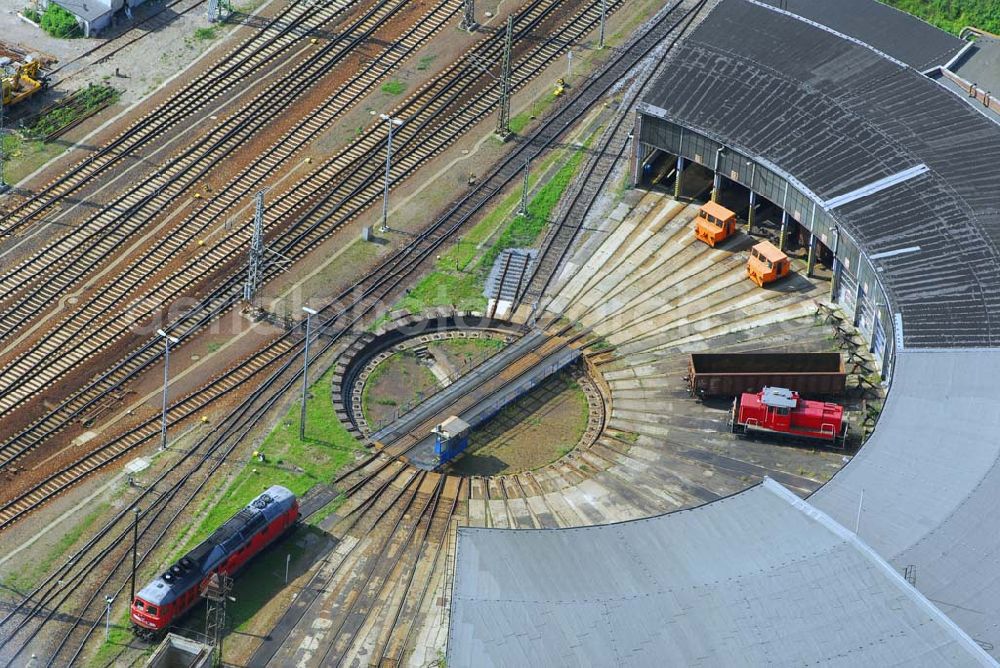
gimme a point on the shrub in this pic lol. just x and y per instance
(393, 87)
(58, 22)
(31, 14)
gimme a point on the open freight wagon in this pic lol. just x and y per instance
(732, 374)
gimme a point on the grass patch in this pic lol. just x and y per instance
(524, 230)
(953, 15)
(458, 278)
(394, 87)
(297, 464)
(205, 34)
(425, 62)
(538, 107)
(440, 288)
(119, 636)
(214, 347)
(329, 509)
(600, 344)
(28, 578)
(87, 102)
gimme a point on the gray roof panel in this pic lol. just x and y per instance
(930, 476)
(759, 577)
(896, 33)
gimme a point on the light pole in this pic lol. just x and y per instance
(305, 372)
(393, 122)
(107, 620)
(167, 340)
(3, 180)
(135, 549)
(604, 14)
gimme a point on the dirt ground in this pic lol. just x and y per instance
(535, 430)
(405, 379)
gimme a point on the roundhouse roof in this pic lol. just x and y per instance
(838, 115)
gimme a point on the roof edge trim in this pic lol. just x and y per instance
(849, 536)
(830, 30)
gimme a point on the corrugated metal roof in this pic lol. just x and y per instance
(839, 117)
(894, 32)
(757, 578)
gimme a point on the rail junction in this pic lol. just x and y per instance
(878, 202)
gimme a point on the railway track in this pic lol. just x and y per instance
(461, 212)
(84, 341)
(51, 273)
(464, 210)
(582, 197)
(211, 451)
(276, 38)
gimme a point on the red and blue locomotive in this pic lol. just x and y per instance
(782, 411)
(172, 594)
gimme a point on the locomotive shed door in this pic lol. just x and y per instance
(847, 294)
(878, 340)
(866, 314)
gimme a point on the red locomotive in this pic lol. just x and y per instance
(172, 594)
(777, 410)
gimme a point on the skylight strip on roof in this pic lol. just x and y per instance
(876, 186)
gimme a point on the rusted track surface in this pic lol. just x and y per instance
(333, 196)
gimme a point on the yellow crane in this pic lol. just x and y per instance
(19, 81)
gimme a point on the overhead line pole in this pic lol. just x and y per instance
(388, 165)
(305, 372)
(523, 210)
(256, 249)
(469, 16)
(3, 154)
(503, 120)
(604, 18)
(167, 340)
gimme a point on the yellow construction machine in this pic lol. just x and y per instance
(19, 81)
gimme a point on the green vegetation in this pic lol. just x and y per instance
(524, 230)
(11, 144)
(264, 576)
(953, 15)
(119, 637)
(27, 578)
(600, 344)
(296, 464)
(455, 282)
(58, 22)
(393, 87)
(408, 382)
(31, 14)
(316, 518)
(205, 34)
(520, 121)
(84, 103)
(425, 62)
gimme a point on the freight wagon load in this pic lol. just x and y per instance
(731, 374)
